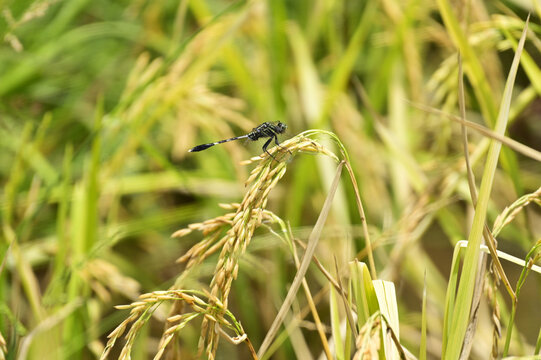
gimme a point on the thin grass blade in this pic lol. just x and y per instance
(467, 280)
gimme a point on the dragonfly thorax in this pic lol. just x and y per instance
(267, 129)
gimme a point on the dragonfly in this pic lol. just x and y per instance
(269, 130)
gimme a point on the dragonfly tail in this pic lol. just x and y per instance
(206, 146)
(201, 147)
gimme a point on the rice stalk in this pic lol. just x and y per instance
(142, 310)
(230, 234)
(511, 211)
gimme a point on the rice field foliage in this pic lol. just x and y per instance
(399, 217)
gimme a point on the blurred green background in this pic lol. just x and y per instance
(100, 101)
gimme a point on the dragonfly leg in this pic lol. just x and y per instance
(266, 146)
(278, 144)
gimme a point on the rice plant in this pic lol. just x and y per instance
(396, 217)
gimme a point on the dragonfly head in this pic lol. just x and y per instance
(281, 127)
